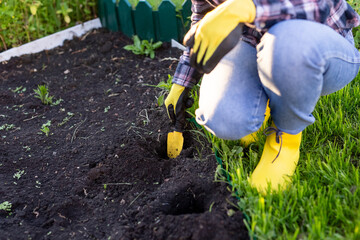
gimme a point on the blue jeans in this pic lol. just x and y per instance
(296, 62)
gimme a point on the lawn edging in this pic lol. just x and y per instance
(51, 41)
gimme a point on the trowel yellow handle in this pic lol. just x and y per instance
(175, 142)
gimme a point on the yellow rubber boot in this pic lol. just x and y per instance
(253, 137)
(278, 161)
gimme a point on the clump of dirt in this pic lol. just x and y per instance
(99, 174)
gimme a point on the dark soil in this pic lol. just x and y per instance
(97, 175)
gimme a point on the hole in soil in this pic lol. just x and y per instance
(186, 202)
(161, 148)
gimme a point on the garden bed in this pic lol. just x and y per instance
(99, 174)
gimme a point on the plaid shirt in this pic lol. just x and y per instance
(337, 14)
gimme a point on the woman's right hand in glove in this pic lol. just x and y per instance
(176, 103)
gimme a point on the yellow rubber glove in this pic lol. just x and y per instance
(175, 105)
(218, 32)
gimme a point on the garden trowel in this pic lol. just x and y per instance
(175, 142)
(175, 139)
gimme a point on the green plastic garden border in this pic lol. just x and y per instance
(162, 25)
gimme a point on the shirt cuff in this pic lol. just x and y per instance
(185, 75)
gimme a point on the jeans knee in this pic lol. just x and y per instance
(287, 67)
(281, 60)
(235, 127)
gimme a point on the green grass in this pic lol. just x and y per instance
(22, 21)
(324, 199)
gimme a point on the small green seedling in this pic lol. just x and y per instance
(165, 89)
(20, 89)
(45, 128)
(143, 47)
(66, 119)
(7, 127)
(165, 86)
(18, 174)
(27, 148)
(5, 206)
(43, 94)
(107, 109)
(57, 102)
